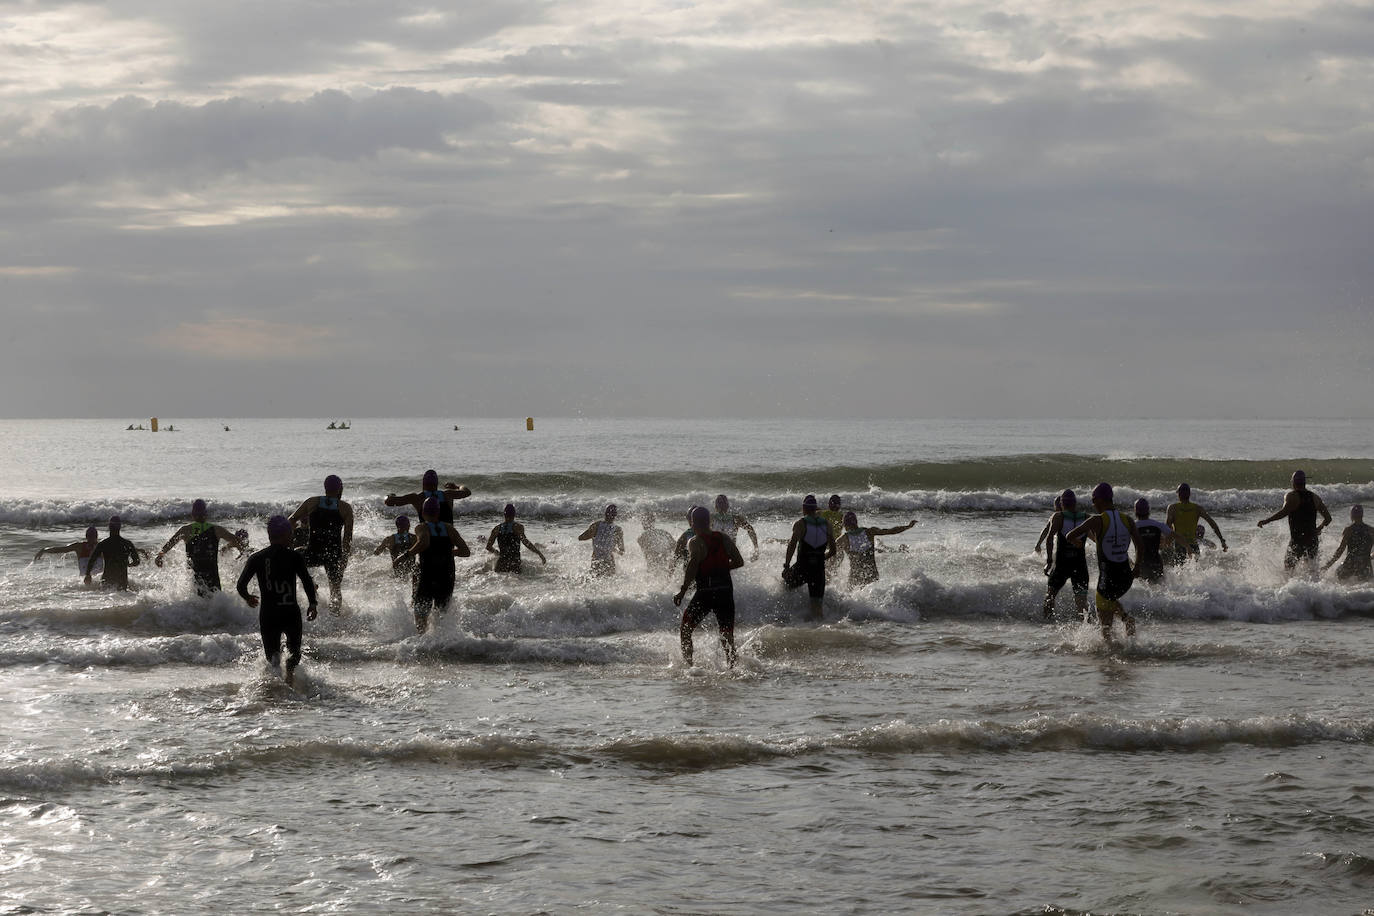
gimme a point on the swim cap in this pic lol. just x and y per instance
(91, 533)
(430, 507)
(809, 502)
(722, 503)
(430, 481)
(1299, 477)
(1142, 508)
(851, 520)
(701, 516)
(1184, 491)
(1357, 511)
(835, 501)
(403, 523)
(1102, 492)
(611, 511)
(1068, 499)
(509, 511)
(332, 484)
(115, 523)
(278, 526)
(198, 508)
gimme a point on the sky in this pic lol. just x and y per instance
(1051, 208)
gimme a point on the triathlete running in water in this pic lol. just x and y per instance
(657, 546)
(1064, 561)
(505, 541)
(731, 524)
(429, 489)
(834, 516)
(813, 544)
(329, 520)
(710, 557)
(82, 549)
(1301, 507)
(1115, 534)
(118, 555)
(436, 544)
(1184, 518)
(1155, 538)
(607, 540)
(202, 549)
(1357, 543)
(398, 546)
(277, 568)
(858, 544)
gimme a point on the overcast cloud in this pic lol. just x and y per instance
(671, 208)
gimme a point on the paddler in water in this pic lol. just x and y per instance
(82, 549)
(1115, 534)
(330, 536)
(607, 540)
(1183, 518)
(436, 544)
(398, 545)
(505, 541)
(429, 489)
(1155, 538)
(858, 544)
(1066, 562)
(1357, 543)
(277, 568)
(710, 557)
(731, 524)
(118, 555)
(813, 544)
(1300, 507)
(202, 548)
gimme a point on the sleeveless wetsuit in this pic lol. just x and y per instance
(508, 543)
(434, 583)
(277, 568)
(202, 556)
(810, 568)
(1070, 562)
(1185, 531)
(1114, 574)
(863, 562)
(325, 544)
(445, 504)
(1302, 530)
(715, 594)
(1359, 541)
(400, 543)
(1151, 561)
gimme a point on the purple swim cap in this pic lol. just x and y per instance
(1068, 499)
(1357, 511)
(1102, 492)
(851, 520)
(403, 523)
(1184, 491)
(809, 502)
(701, 516)
(611, 510)
(430, 481)
(835, 501)
(91, 533)
(332, 484)
(198, 507)
(1142, 508)
(115, 523)
(509, 511)
(722, 503)
(278, 526)
(430, 507)
(1299, 477)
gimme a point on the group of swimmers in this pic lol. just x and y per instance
(1176, 540)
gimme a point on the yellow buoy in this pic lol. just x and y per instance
(529, 423)
(153, 423)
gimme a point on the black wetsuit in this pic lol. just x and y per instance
(508, 543)
(202, 556)
(1150, 563)
(1359, 540)
(325, 544)
(1070, 562)
(277, 568)
(863, 563)
(1302, 530)
(715, 594)
(434, 582)
(445, 504)
(119, 554)
(400, 543)
(810, 566)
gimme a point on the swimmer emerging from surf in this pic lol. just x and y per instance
(813, 544)
(1115, 534)
(1155, 538)
(607, 540)
(1184, 519)
(1301, 507)
(1357, 543)
(657, 546)
(429, 489)
(710, 557)
(731, 524)
(1065, 561)
(202, 549)
(505, 541)
(118, 555)
(329, 521)
(858, 544)
(82, 549)
(277, 568)
(436, 545)
(398, 545)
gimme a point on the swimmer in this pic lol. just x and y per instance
(507, 538)
(1115, 534)
(436, 544)
(1357, 542)
(710, 557)
(1155, 537)
(834, 516)
(607, 540)
(398, 545)
(429, 489)
(277, 568)
(118, 555)
(202, 549)
(82, 549)
(814, 544)
(329, 521)
(657, 545)
(731, 523)
(1064, 561)
(1183, 518)
(1049, 526)
(859, 546)
(1300, 507)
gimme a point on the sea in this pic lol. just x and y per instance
(931, 746)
